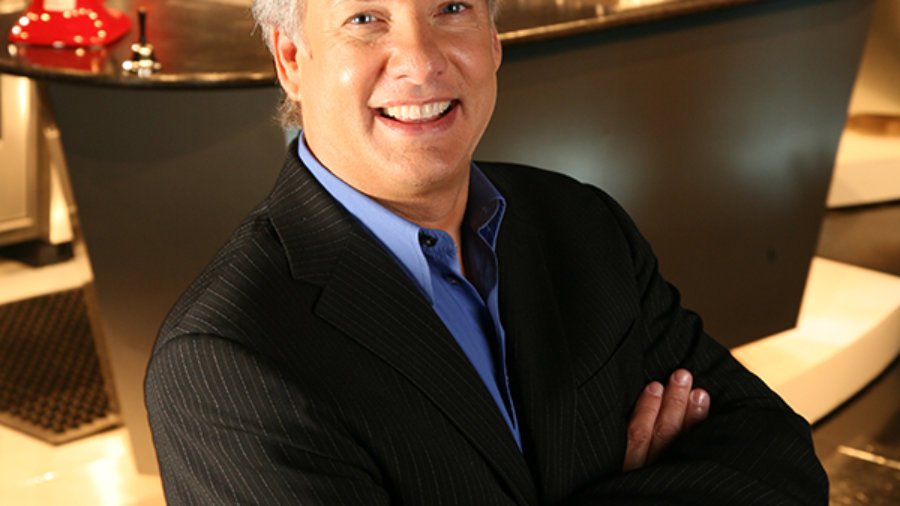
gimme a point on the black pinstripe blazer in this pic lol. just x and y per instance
(304, 367)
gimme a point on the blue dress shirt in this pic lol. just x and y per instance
(469, 308)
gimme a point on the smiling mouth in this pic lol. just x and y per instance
(420, 113)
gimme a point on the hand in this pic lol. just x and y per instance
(660, 415)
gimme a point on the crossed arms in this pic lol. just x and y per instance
(233, 426)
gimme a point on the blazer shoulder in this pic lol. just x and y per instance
(526, 176)
(240, 276)
(538, 195)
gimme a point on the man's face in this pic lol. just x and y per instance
(395, 94)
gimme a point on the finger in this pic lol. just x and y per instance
(670, 421)
(697, 409)
(641, 425)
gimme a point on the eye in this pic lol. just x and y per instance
(362, 19)
(454, 8)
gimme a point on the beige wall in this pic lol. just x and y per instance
(878, 85)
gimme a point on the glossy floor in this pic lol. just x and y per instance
(859, 445)
(94, 471)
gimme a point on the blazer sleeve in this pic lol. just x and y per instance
(230, 429)
(752, 449)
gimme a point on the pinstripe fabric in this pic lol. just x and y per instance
(303, 367)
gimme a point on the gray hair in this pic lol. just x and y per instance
(286, 16)
(281, 15)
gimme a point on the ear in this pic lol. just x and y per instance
(496, 48)
(287, 66)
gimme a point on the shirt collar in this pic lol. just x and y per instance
(484, 212)
(485, 208)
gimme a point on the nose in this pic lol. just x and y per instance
(418, 54)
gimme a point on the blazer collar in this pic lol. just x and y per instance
(313, 227)
(368, 297)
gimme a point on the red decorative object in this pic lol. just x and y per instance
(69, 23)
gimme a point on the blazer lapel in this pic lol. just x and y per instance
(543, 385)
(368, 297)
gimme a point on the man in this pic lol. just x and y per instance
(395, 324)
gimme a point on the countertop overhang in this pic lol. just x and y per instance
(214, 44)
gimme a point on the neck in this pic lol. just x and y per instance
(439, 210)
(434, 198)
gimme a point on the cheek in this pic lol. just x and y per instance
(478, 63)
(346, 77)
(353, 83)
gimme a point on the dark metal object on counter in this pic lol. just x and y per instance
(143, 61)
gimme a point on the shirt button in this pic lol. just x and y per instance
(453, 280)
(427, 240)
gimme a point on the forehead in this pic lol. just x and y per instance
(343, 3)
(387, 3)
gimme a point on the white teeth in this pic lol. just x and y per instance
(422, 112)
